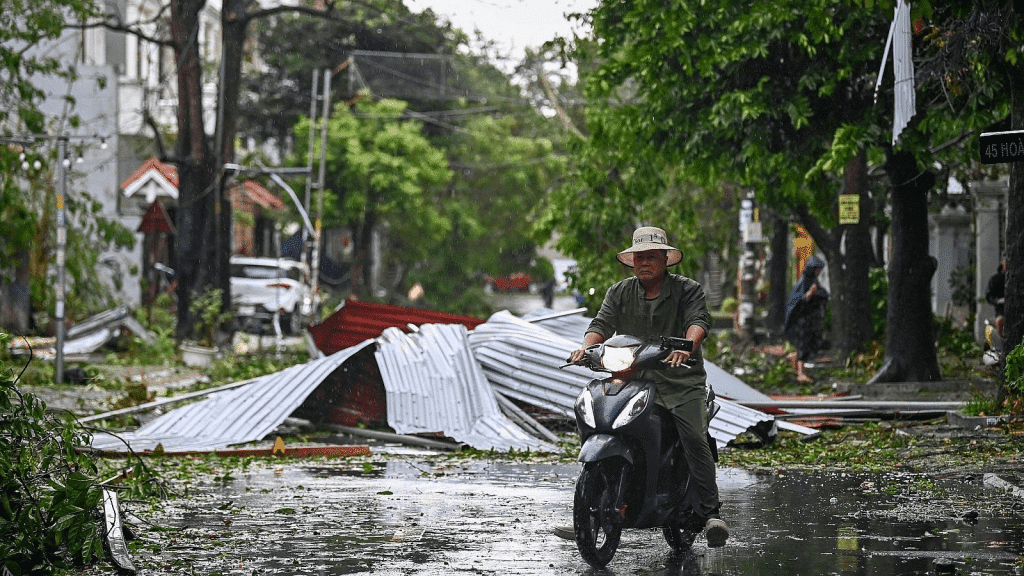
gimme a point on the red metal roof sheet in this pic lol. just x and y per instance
(358, 321)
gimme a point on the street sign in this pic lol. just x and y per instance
(849, 208)
(1001, 147)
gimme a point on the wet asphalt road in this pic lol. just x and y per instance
(416, 516)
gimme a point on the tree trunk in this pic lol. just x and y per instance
(364, 248)
(204, 214)
(778, 274)
(910, 331)
(234, 23)
(15, 302)
(196, 175)
(854, 240)
(1014, 303)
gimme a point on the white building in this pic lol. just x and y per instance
(122, 79)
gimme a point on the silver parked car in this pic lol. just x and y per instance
(262, 286)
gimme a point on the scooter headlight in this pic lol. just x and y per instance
(585, 408)
(633, 409)
(617, 359)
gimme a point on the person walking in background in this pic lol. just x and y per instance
(995, 294)
(805, 314)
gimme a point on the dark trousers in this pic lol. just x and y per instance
(691, 423)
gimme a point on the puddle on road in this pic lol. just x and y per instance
(426, 517)
(898, 524)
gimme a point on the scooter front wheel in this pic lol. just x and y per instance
(597, 518)
(680, 535)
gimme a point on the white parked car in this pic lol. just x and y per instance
(262, 286)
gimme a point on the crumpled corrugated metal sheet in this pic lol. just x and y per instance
(438, 379)
(237, 416)
(569, 324)
(434, 384)
(522, 360)
(574, 325)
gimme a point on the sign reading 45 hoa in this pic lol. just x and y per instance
(1001, 147)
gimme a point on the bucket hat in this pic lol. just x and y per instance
(649, 238)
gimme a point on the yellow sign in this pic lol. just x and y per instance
(849, 208)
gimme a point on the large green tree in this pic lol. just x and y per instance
(503, 152)
(386, 178)
(291, 46)
(728, 96)
(503, 167)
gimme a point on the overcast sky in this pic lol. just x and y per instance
(514, 24)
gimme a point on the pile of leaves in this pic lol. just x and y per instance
(49, 496)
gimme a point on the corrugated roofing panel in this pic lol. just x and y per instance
(571, 325)
(903, 70)
(434, 384)
(245, 414)
(521, 359)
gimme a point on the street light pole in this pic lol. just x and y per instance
(62, 241)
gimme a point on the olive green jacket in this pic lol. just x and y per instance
(681, 304)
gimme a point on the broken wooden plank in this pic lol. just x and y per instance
(329, 451)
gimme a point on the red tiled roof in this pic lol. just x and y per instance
(254, 190)
(359, 321)
(259, 195)
(168, 171)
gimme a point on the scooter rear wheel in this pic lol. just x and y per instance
(596, 519)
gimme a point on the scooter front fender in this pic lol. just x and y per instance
(601, 446)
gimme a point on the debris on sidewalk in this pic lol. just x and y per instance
(994, 481)
(84, 337)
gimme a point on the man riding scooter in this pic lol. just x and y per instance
(651, 304)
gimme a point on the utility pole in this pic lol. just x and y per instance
(305, 236)
(750, 228)
(315, 265)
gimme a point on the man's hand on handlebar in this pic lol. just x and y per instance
(677, 358)
(576, 356)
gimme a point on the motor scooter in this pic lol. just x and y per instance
(634, 471)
